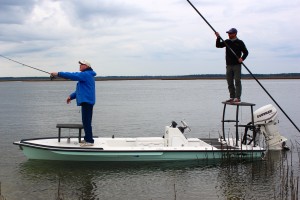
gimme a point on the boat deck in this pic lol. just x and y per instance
(215, 143)
(154, 143)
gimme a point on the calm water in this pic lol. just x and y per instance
(138, 108)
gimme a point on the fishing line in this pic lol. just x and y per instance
(227, 46)
(51, 77)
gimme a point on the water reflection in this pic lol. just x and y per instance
(252, 180)
(95, 180)
(217, 179)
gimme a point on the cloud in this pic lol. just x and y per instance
(143, 37)
(16, 11)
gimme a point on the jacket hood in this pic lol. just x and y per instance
(90, 71)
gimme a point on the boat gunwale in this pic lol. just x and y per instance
(24, 142)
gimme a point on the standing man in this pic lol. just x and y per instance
(84, 95)
(233, 63)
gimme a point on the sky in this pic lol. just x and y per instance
(146, 37)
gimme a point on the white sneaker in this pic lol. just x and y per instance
(86, 144)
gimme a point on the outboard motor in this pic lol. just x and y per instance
(265, 121)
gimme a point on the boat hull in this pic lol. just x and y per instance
(138, 155)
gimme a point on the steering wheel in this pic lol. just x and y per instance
(186, 126)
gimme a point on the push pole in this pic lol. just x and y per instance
(227, 46)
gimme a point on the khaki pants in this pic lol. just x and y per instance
(233, 76)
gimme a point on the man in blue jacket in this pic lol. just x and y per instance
(85, 96)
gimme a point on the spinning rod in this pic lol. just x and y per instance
(51, 77)
(227, 46)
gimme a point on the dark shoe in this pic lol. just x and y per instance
(230, 100)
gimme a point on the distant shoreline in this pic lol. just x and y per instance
(183, 77)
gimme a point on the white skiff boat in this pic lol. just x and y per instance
(172, 146)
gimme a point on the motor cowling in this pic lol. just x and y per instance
(265, 114)
(266, 121)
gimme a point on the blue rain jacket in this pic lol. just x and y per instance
(85, 89)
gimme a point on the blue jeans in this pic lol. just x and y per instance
(87, 115)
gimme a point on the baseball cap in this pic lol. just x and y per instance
(232, 30)
(84, 62)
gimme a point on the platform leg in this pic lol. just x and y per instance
(223, 126)
(236, 127)
(59, 131)
(79, 138)
(254, 130)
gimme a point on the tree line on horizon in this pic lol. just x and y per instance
(166, 77)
